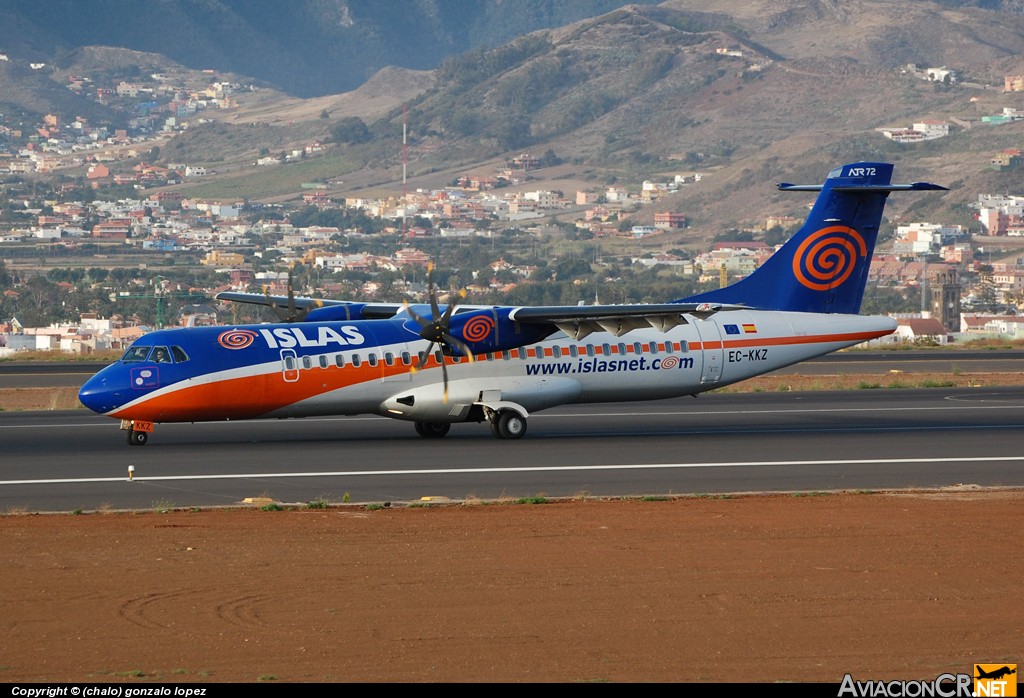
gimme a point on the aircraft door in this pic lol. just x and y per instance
(289, 365)
(712, 350)
(396, 362)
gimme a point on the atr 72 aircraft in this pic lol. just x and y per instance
(437, 364)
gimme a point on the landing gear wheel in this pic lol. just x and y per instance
(511, 425)
(494, 427)
(432, 430)
(137, 438)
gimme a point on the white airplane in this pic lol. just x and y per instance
(437, 364)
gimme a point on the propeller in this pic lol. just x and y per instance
(290, 313)
(436, 328)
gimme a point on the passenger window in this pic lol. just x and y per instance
(622, 349)
(590, 350)
(654, 347)
(339, 360)
(684, 346)
(179, 355)
(439, 356)
(637, 348)
(136, 354)
(406, 358)
(372, 359)
(556, 351)
(668, 347)
(606, 349)
(323, 361)
(307, 362)
(573, 351)
(389, 358)
(357, 360)
(289, 363)
(506, 355)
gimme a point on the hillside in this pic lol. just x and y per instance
(645, 92)
(642, 93)
(306, 48)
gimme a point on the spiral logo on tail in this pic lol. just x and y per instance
(476, 329)
(236, 339)
(827, 257)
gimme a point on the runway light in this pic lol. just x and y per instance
(131, 471)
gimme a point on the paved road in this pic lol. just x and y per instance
(63, 461)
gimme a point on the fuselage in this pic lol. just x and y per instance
(358, 367)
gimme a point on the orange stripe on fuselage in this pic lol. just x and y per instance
(248, 397)
(784, 341)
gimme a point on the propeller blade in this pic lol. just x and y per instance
(444, 377)
(432, 291)
(423, 358)
(463, 347)
(436, 328)
(294, 314)
(276, 308)
(423, 322)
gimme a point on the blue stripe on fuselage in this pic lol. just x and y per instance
(231, 346)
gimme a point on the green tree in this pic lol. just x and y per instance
(351, 130)
(513, 131)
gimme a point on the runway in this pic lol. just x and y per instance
(716, 444)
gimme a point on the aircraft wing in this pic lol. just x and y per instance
(578, 321)
(368, 311)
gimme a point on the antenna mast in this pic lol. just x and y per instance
(405, 164)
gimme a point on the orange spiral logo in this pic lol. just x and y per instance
(827, 257)
(669, 362)
(476, 329)
(236, 339)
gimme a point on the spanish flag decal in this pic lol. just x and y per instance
(749, 328)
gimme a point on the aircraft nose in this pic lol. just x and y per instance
(97, 394)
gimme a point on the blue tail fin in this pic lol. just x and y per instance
(824, 267)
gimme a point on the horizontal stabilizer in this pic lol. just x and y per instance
(913, 186)
(823, 268)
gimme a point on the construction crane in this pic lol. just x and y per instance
(160, 295)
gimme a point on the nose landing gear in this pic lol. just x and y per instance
(138, 431)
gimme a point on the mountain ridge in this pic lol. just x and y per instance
(644, 91)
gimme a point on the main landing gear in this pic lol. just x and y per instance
(432, 430)
(505, 424)
(508, 424)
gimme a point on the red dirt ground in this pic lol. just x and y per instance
(739, 589)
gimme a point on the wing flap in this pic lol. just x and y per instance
(578, 321)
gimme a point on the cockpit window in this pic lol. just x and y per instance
(160, 355)
(136, 353)
(179, 355)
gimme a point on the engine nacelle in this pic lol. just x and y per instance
(491, 330)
